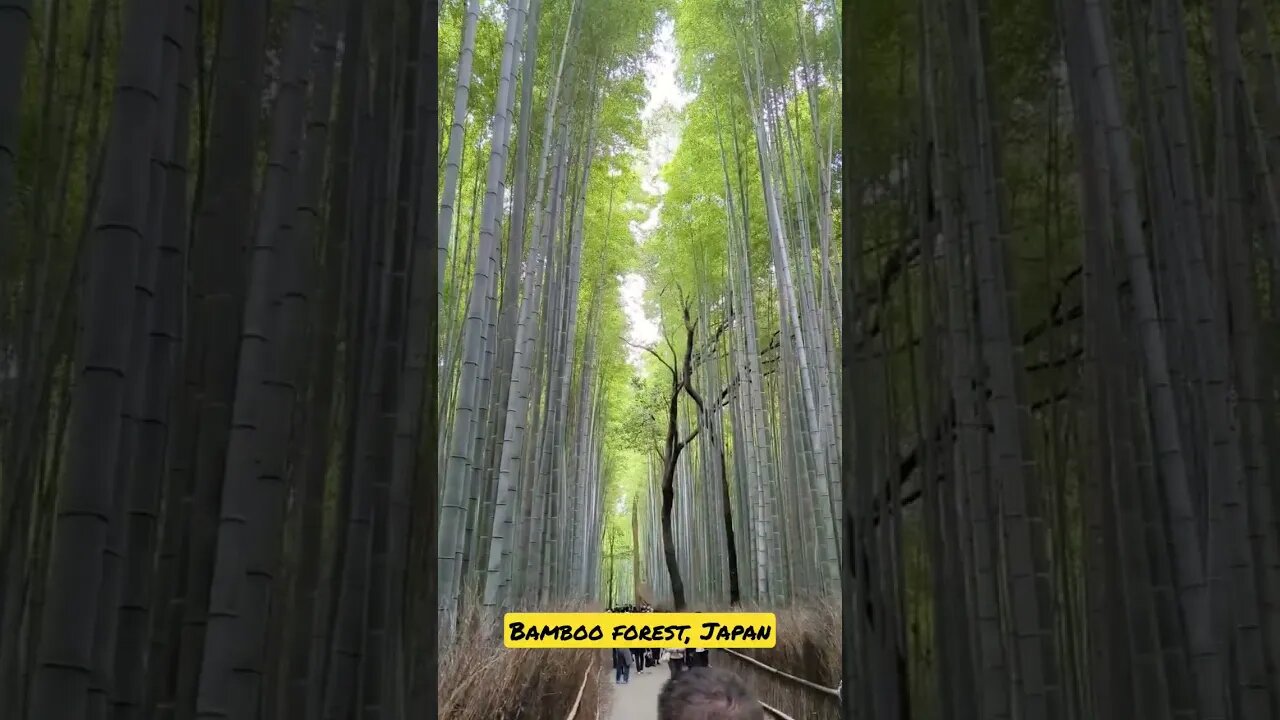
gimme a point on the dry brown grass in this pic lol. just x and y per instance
(808, 647)
(479, 679)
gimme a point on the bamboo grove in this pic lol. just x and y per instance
(736, 418)
(539, 191)
(217, 324)
(1061, 371)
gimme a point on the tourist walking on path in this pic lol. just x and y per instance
(638, 655)
(621, 666)
(675, 660)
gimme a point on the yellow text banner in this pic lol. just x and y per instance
(640, 630)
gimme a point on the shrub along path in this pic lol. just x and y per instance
(638, 699)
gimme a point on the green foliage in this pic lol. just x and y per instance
(638, 423)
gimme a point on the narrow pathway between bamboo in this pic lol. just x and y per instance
(638, 699)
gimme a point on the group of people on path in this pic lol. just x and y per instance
(696, 691)
(678, 659)
(640, 658)
(639, 607)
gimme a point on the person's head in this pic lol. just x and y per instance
(707, 694)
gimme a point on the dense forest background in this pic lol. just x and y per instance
(216, 257)
(1061, 394)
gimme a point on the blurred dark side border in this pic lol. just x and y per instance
(848, 269)
(424, 663)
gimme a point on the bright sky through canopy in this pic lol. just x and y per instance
(660, 80)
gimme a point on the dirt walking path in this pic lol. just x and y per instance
(638, 699)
